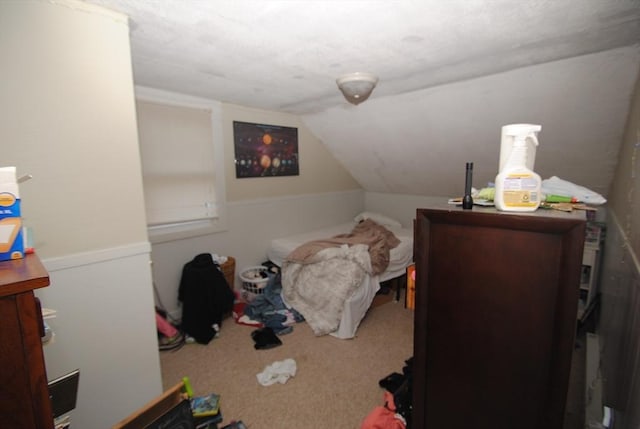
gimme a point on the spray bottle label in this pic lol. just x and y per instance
(520, 190)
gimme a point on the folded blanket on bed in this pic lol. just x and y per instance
(319, 276)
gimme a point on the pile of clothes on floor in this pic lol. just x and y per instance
(268, 312)
(397, 408)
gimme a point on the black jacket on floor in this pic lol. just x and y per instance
(206, 297)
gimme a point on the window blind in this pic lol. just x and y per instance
(178, 163)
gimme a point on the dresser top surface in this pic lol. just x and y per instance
(21, 275)
(556, 214)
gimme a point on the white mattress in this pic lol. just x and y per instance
(357, 305)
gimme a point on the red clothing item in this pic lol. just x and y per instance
(384, 417)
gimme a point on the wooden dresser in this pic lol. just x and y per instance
(495, 317)
(24, 392)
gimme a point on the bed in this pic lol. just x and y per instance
(348, 310)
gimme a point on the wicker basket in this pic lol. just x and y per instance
(229, 271)
(253, 283)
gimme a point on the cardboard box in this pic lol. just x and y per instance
(11, 235)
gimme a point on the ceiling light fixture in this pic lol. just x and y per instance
(357, 87)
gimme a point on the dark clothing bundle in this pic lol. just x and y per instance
(206, 297)
(265, 338)
(400, 386)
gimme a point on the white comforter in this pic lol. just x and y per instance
(320, 276)
(319, 287)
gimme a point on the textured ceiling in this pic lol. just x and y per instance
(451, 74)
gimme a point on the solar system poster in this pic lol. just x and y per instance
(265, 150)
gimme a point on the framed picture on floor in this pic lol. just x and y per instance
(265, 150)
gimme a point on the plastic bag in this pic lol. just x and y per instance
(556, 186)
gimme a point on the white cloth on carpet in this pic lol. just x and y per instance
(277, 372)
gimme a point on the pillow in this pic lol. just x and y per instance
(377, 217)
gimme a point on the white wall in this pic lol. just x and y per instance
(67, 117)
(260, 209)
(252, 224)
(103, 327)
(619, 325)
(620, 282)
(320, 171)
(400, 207)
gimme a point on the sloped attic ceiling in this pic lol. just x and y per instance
(451, 74)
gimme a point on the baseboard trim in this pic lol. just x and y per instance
(97, 256)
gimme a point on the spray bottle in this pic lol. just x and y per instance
(518, 187)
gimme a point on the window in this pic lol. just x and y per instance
(181, 151)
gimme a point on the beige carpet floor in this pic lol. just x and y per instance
(336, 384)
